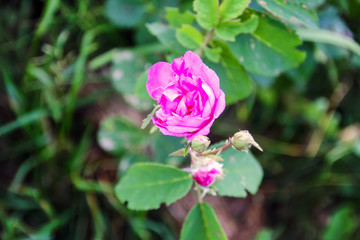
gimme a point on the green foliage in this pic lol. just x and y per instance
(201, 224)
(213, 54)
(207, 13)
(117, 134)
(23, 120)
(341, 225)
(166, 36)
(242, 172)
(189, 37)
(235, 82)
(329, 37)
(230, 9)
(140, 87)
(63, 151)
(293, 13)
(176, 19)
(145, 186)
(125, 13)
(264, 234)
(126, 68)
(310, 3)
(269, 50)
(228, 30)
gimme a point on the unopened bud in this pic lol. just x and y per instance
(243, 140)
(206, 175)
(200, 143)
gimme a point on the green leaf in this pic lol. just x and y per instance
(201, 224)
(166, 36)
(47, 17)
(117, 134)
(310, 3)
(342, 225)
(24, 120)
(329, 37)
(305, 70)
(269, 50)
(213, 54)
(129, 160)
(126, 68)
(234, 80)
(146, 185)
(15, 97)
(49, 93)
(228, 30)
(162, 145)
(294, 13)
(264, 234)
(125, 13)
(207, 13)
(230, 9)
(147, 120)
(140, 87)
(180, 152)
(189, 36)
(176, 19)
(242, 172)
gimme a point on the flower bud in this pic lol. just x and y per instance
(243, 140)
(200, 143)
(206, 175)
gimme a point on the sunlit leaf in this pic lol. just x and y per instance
(228, 30)
(189, 36)
(207, 13)
(230, 9)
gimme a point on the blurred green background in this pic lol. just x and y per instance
(69, 127)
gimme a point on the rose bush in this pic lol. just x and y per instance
(189, 94)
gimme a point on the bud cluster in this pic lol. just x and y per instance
(205, 169)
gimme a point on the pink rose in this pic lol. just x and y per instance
(189, 94)
(206, 175)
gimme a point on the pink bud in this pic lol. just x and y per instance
(206, 175)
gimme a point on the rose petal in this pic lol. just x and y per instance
(209, 92)
(171, 93)
(181, 108)
(160, 75)
(220, 105)
(178, 66)
(207, 111)
(205, 130)
(212, 79)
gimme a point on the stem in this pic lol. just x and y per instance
(199, 194)
(207, 40)
(318, 135)
(226, 146)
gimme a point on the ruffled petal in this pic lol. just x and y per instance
(220, 105)
(159, 76)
